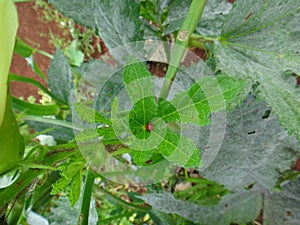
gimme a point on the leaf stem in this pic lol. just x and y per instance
(86, 199)
(54, 122)
(182, 42)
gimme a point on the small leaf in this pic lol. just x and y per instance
(74, 54)
(23, 49)
(71, 179)
(75, 188)
(208, 95)
(60, 77)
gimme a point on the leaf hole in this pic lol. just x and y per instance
(289, 213)
(226, 205)
(248, 16)
(149, 161)
(266, 114)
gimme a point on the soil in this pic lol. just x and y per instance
(35, 32)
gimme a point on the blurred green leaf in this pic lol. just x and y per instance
(117, 21)
(60, 77)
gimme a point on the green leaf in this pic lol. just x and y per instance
(238, 208)
(179, 149)
(154, 10)
(71, 179)
(167, 111)
(117, 21)
(75, 188)
(89, 114)
(207, 95)
(260, 42)
(34, 109)
(145, 158)
(19, 185)
(23, 49)
(8, 31)
(12, 142)
(138, 80)
(142, 114)
(74, 54)
(255, 150)
(283, 207)
(60, 77)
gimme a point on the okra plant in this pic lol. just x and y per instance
(213, 141)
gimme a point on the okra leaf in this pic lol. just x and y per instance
(117, 21)
(208, 95)
(241, 207)
(283, 207)
(179, 150)
(138, 80)
(260, 42)
(256, 150)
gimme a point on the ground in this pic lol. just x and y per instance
(34, 31)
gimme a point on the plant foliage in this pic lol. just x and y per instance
(115, 113)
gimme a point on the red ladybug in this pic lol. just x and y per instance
(149, 126)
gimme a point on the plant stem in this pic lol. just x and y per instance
(182, 42)
(123, 203)
(86, 199)
(53, 122)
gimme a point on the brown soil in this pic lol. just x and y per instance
(35, 32)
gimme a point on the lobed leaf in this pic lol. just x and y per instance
(138, 80)
(260, 42)
(179, 149)
(206, 96)
(256, 150)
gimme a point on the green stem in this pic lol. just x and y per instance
(123, 203)
(44, 53)
(182, 42)
(86, 199)
(54, 122)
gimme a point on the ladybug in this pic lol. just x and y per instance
(149, 126)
